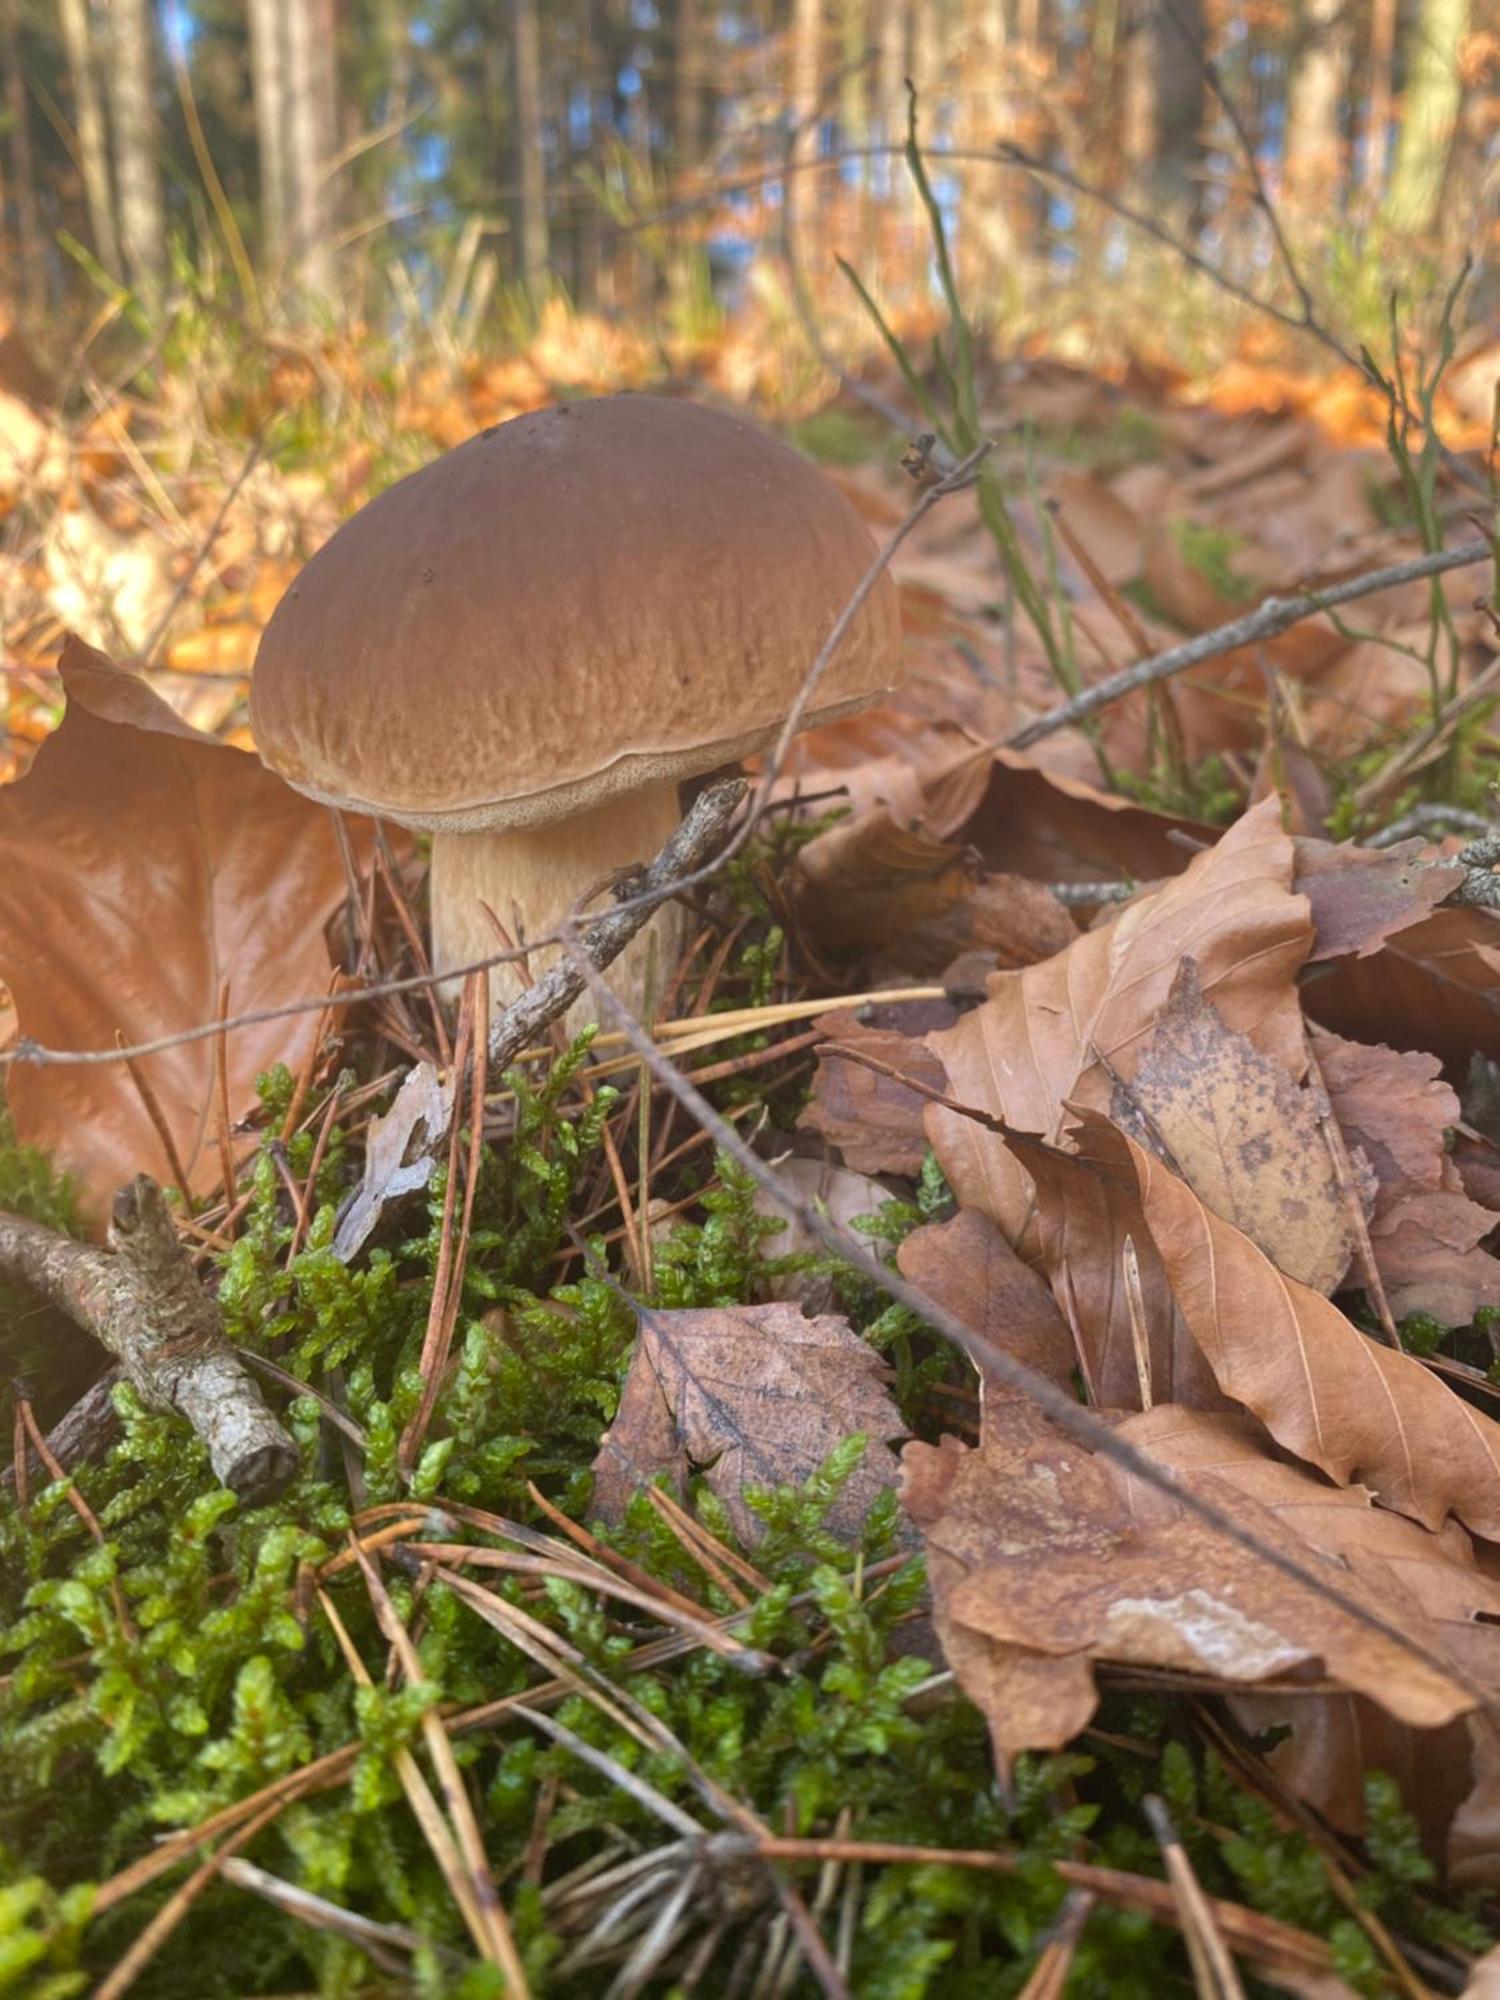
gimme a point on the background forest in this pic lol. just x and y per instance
(387, 158)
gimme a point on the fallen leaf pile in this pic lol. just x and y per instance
(1179, 1191)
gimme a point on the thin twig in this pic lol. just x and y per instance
(1274, 615)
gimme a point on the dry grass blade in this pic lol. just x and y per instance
(628, 1781)
(389, 1946)
(429, 1817)
(448, 1283)
(1214, 1972)
(1265, 1941)
(461, 1812)
(176, 1907)
(1049, 1978)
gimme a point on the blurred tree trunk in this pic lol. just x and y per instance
(132, 90)
(93, 139)
(891, 65)
(805, 100)
(312, 125)
(986, 239)
(1316, 90)
(1165, 98)
(32, 268)
(687, 85)
(1429, 114)
(268, 72)
(531, 166)
(1378, 103)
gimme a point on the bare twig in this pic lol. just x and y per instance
(1274, 615)
(142, 1301)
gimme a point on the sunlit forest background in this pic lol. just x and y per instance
(453, 166)
(259, 260)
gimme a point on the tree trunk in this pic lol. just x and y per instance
(986, 240)
(312, 138)
(1165, 91)
(687, 86)
(1429, 114)
(1377, 134)
(32, 260)
(531, 165)
(93, 139)
(268, 72)
(1316, 91)
(132, 89)
(805, 103)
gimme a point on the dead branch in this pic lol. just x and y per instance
(1274, 615)
(142, 1300)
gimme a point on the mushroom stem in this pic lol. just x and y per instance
(531, 876)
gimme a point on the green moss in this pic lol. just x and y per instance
(1211, 550)
(228, 1678)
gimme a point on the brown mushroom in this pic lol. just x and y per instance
(524, 647)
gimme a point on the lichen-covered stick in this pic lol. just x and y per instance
(142, 1300)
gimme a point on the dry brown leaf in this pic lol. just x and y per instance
(870, 879)
(837, 1192)
(1361, 896)
(1336, 1397)
(875, 1121)
(967, 1266)
(753, 1396)
(1062, 829)
(1247, 1140)
(1045, 1035)
(1433, 984)
(1134, 1347)
(1039, 1568)
(1394, 1111)
(1449, 1605)
(144, 867)
(1106, 526)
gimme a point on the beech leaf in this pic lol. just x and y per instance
(1339, 1399)
(144, 868)
(1060, 1031)
(1395, 1111)
(1040, 1567)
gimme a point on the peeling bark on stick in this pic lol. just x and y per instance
(142, 1300)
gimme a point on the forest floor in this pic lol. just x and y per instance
(1075, 1120)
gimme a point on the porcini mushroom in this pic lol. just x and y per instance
(524, 647)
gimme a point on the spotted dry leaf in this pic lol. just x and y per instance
(1248, 1140)
(1062, 1031)
(751, 1396)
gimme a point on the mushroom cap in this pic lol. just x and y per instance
(596, 597)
